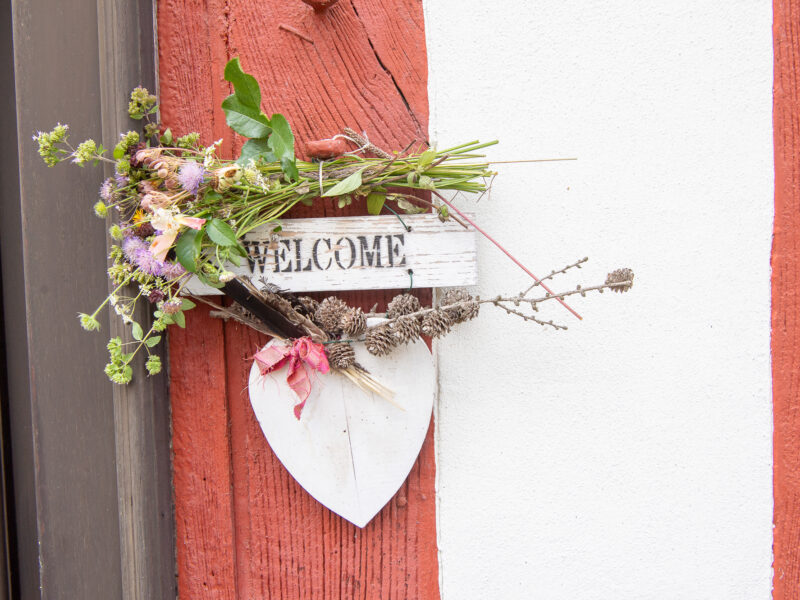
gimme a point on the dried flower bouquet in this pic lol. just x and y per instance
(182, 211)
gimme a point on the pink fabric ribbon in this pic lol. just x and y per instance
(300, 354)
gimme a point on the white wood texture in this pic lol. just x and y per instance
(359, 253)
(350, 450)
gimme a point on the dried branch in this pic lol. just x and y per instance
(576, 264)
(364, 143)
(235, 312)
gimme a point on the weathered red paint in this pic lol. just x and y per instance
(786, 300)
(246, 529)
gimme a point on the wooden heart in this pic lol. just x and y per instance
(351, 450)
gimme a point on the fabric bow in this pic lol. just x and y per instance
(303, 352)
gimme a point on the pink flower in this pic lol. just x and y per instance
(162, 243)
(193, 222)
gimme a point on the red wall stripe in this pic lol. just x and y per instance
(786, 300)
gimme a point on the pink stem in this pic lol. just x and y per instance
(507, 253)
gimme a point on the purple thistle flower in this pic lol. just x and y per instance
(137, 251)
(190, 176)
(122, 180)
(106, 190)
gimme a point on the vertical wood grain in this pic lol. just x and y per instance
(262, 533)
(786, 300)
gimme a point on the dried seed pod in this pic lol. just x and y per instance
(329, 314)
(340, 355)
(403, 304)
(353, 323)
(467, 307)
(405, 329)
(380, 340)
(619, 276)
(309, 304)
(436, 323)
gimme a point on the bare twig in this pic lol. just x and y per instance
(364, 143)
(298, 33)
(576, 264)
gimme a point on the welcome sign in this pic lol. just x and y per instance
(358, 253)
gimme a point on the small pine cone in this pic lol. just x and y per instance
(309, 304)
(618, 276)
(353, 322)
(467, 309)
(330, 313)
(380, 340)
(403, 304)
(405, 329)
(340, 355)
(436, 323)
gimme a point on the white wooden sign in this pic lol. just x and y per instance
(351, 450)
(358, 253)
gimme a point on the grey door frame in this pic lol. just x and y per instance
(90, 462)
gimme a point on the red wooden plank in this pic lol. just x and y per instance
(786, 300)
(201, 458)
(366, 68)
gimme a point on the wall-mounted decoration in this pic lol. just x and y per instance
(187, 223)
(350, 449)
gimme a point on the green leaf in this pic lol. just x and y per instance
(245, 120)
(187, 304)
(245, 86)
(408, 207)
(221, 233)
(166, 137)
(136, 332)
(179, 320)
(427, 157)
(375, 203)
(152, 341)
(282, 144)
(186, 249)
(119, 152)
(239, 249)
(345, 186)
(426, 183)
(282, 139)
(212, 196)
(254, 149)
(205, 280)
(289, 167)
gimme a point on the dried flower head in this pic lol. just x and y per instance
(353, 322)
(403, 304)
(405, 329)
(466, 307)
(340, 355)
(436, 323)
(190, 176)
(380, 340)
(309, 304)
(329, 314)
(620, 276)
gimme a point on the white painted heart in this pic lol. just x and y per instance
(351, 450)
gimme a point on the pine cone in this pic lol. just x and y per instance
(380, 340)
(353, 322)
(403, 304)
(436, 323)
(309, 304)
(405, 329)
(618, 276)
(468, 308)
(340, 355)
(330, 313)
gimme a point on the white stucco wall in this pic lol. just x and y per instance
(630, 456)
